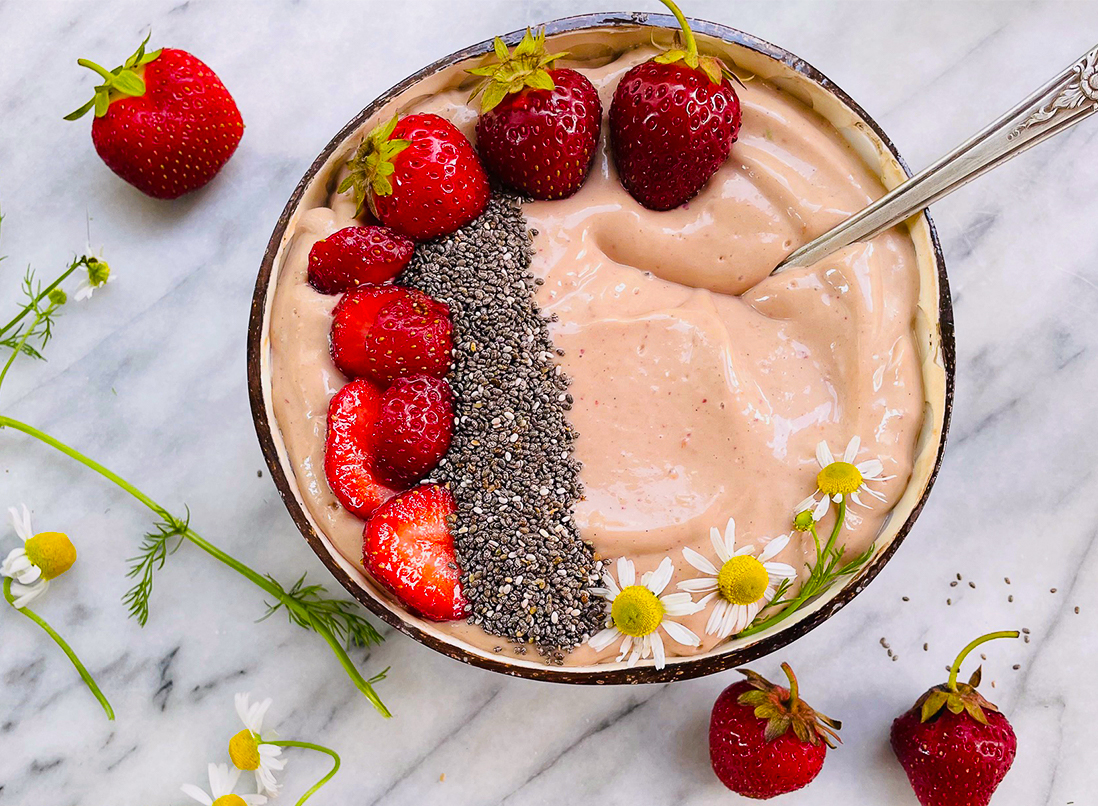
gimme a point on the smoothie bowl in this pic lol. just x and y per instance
(663, 462)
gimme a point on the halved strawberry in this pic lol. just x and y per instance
(389, 332)
(356, 256)
(350, 447)
(407, 547)
(414, 430)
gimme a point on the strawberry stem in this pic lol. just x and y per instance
(102, 71)
(792, 684)
(687, 35)
(983, 639)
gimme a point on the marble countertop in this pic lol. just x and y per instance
(150, 380)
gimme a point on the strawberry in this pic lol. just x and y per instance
(419, 176)
(953, 744)
(672, 123)
(408, 548)
(350, 448)
(764, 740)
(538, 127)
(357, 255)
(414, 430)
(163, 121)
(389, 332)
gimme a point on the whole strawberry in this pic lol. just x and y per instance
(672, 123)
(764, 740)
(419, 176)
(163, 121)
(953, 744)
(538, 127)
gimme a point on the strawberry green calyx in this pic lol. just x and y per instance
(124, 81)
(687, 53)
(958, 697)
(514, 71)
(372, 165)
(784, 710)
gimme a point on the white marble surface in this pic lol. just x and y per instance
(150, 379)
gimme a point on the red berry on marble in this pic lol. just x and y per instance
(414, 429)
(408, 548)
(764, 740)
(350, 448)
(355, 256)
(538, 128)
(389, 332)
(419, 176)
(164, 122)
(953, 744)
(673, 121)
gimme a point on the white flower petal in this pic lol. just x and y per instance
(661, 576)
(806, 505)
(852, 449)
(716, 618)
(748, 549)
(821, 509)
(259, 714)
(730, 535)
(627, 573)
(25, 594)
(626, 645)
(608, 580)
(699, 585)
(823, 454)
(678, 604)
(870, 468)
(774, 547)
(699, 561)
(600, 640)
(21, 521)
(193, 792)
(702, 602)
(780, 570)
(718, 544)
(680, 634)
(240, 701)
(657, 651)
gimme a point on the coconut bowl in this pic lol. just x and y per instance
(597, 38)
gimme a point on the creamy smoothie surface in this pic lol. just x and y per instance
(701, 384)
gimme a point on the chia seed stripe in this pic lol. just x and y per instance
(527, 572)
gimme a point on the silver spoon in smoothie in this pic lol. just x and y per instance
(1067, 99)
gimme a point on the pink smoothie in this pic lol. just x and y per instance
(701, 384)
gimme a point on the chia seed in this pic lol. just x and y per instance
(527, 572)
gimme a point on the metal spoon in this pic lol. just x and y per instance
(1059, 105)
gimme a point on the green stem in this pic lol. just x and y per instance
(792, 684)
(19, 347)
(320, 749)
(257, 579)
(983, 639)
(102, 71)
(687, 35)
(811, 586)
(84, 673)
(43, 294)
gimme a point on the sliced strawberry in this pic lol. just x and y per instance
(350, 448)
(356, 256)
(389, 332)
(414, 430)
(407, 547)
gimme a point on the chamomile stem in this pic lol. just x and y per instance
(43, 294)
(19, 348)
(320, 749)
(84, 673)
(983, 639)
(258, 579)
(811, 586)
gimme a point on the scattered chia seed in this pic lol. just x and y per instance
(971, 584)
(1077, 611)
(1010, 598)
(926, 647)
(884, 643)
(906, 598)
(1016, 666)
(1025, 638)
(1006, 580)
(1025, 630)
(949, 602)
(1052, 590)
(510, 465)
(958, 577)
(953, 584)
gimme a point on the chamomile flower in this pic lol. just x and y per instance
(98, 275)
(247, 750)
(743, 584)
(222, 782)
(42, 557)
(637, 612)
(842, 477)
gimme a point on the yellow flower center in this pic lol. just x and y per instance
(742, 580)
(230, 800)
(244, 750)
(636, 611)
(804, 520)
(52, 552)
(98, 272)
(839, 478)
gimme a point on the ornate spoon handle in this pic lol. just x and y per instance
(1059, 105)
